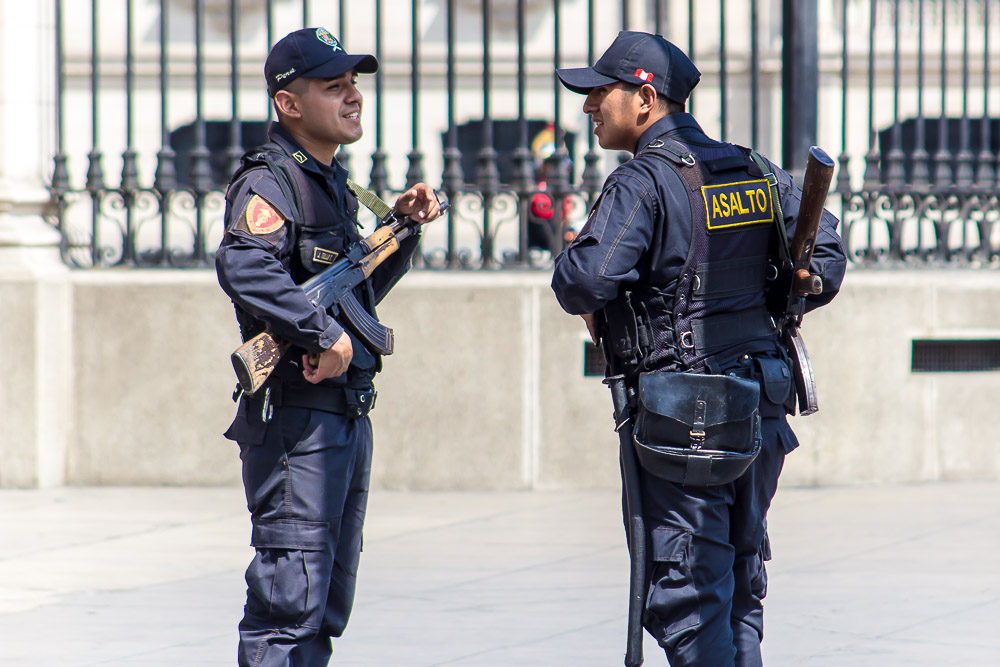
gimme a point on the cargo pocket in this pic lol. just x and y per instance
(246, 429)
(673, 598)
(787, 438)
(776, 383)
(289, 577)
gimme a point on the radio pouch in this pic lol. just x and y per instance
(697, 429)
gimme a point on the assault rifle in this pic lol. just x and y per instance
(257, 358)
(796, 282)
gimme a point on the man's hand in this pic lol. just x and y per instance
(330, 363)
(419, 203)
(591, 321)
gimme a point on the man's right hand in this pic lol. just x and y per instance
(330, 363)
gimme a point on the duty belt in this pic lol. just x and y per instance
(717, 332)
(352, 403)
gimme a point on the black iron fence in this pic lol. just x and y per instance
(150, 125)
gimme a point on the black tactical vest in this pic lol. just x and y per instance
(321, 232)
(715, 310)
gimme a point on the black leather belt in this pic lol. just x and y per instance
(353, 403)
(717, 332)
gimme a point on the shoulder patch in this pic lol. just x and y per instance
(261, 217)
(737, 204)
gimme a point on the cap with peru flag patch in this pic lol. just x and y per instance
(638, 58)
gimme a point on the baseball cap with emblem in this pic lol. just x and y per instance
(638, 58)
(311, 52)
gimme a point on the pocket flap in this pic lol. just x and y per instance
(674, 395)
(776, 378)
(670, 545)
(245, 429)
(290, 534)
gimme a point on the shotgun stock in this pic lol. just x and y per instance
(815, 186)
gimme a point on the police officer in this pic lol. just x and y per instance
(672, 269)
(305, 439)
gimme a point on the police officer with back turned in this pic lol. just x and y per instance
(305, 439)
(671, 273)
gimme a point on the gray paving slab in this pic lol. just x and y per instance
(895, 575)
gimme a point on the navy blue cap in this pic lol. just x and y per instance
(311, 52)
(638, 57)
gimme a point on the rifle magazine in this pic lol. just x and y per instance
(375, 335)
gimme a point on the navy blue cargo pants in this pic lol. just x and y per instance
(306, 475)
(707, 549)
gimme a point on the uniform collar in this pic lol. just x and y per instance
(671, 124)
(334, 175)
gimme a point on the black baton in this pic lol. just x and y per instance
(635, 527)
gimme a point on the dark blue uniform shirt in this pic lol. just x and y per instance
(617, 246)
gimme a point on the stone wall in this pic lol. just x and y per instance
(486, 389)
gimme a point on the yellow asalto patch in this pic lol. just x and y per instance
(737, 204)
(262, 218)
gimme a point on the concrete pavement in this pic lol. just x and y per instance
(881, 576)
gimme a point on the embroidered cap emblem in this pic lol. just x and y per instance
(261, 217)
(323, 35)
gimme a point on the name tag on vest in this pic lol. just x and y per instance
(737, 204)
(321, 256)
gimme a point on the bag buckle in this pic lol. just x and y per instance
(697, 439)
(697, 432)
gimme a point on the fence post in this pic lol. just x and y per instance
(800, 83)
(34, 283)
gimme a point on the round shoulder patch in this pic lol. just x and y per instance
(261, 217)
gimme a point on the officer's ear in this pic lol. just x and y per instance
(649, 101)
(286, 104)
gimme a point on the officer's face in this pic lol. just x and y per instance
(331, 110)
(614, 112)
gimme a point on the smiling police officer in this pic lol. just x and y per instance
(671, 271)
(305, 438)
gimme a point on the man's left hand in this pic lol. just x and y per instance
(419, 203)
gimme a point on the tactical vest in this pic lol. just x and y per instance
(715, 310)
(318, 240)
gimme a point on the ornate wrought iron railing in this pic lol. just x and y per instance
(929, 190)
(148, 128)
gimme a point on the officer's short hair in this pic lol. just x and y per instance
(298, 87)
(670, 105)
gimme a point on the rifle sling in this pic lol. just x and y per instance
(784, 250)
(371, 201)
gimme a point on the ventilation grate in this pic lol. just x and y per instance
(593, 361)
(955, 356)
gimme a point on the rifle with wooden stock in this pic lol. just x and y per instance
(333, 287)
(795, 280)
